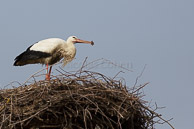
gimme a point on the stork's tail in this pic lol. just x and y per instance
(18, 60)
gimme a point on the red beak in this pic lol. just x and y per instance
(84, 41)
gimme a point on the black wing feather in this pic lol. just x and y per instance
(30, 57)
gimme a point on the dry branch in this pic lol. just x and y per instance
(79, 100)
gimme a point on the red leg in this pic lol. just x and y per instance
(47, 74)
(50, 71)
(46, 68)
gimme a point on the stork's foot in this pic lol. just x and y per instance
(47, 77)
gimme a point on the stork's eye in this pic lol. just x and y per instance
(74, 37)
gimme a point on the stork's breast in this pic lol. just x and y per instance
(68, 56)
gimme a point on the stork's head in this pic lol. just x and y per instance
(74, 39)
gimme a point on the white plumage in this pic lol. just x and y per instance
(50, 51)
(48, 45)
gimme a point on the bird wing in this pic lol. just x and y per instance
(47, 45)
(30, 57)
(37, 52)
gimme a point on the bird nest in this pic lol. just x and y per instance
(82, 100)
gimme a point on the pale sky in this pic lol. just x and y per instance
(134, 33)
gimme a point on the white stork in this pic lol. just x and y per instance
(50, 51)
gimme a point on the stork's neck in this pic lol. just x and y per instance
(70, 46)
